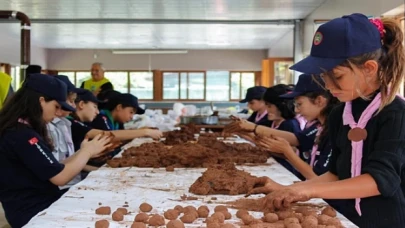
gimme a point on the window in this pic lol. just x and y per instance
(217, 86)
(81, 77)
(282, 73)
(240, 83)
(15, 77)
(119, 80)
(183, 85)
(141, 85)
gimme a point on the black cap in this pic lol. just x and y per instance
(50, 87)
(69, 84)
(86, 95)
(272, 94)
(33, 69)
(125, 99)
(254, 93)
(107, 94)
(306, 83)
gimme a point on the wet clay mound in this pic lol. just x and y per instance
(223, 179)
(181, 136)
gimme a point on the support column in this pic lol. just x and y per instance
(298, 45)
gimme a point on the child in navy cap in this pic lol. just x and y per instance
(32, 174)
(362, 64)
(314, 103)
(118, 110)
(256, 104)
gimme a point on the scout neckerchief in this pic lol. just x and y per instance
(109, 120)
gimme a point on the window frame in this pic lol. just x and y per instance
(179, 72)
(241, 96)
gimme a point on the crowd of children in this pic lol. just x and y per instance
(348, 151)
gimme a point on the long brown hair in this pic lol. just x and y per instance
(390, 58)
(24, 104)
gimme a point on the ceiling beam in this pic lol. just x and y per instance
(156, 21)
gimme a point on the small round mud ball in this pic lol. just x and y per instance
(145, 207)
(103, 211)
(175, 224)
(157, 220)
(142, 217)
(102, 224)
(329, 211)
(171, 214)
(270, 217)
(117, 216)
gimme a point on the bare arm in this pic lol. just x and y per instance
(123, 135)
(267, 131)
(89, 168)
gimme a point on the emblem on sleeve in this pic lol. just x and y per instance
(33, 141)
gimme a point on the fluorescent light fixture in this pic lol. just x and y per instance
(148, 52)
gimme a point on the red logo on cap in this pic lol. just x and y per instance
(318, 37)
(33, 141)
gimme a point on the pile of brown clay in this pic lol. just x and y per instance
(184, 135)
(224, 179)
(102, 224)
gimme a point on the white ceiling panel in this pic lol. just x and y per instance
(164, 9)
(149, 36)
(200, 24)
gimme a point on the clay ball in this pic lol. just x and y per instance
(323, 219)
(247, 219)
(138, 225)
(226, 214)
(188, 218)
(329, 211)
(142, 217)
(334, 222)
(288, 221)
(171, 214)
(310, 222)
(321, 226)
(310, 213)
(270, 217)
(145, 207)
(157, 220)
(189, 208)
(283, 214)
(293, 225)
(241, 213)
(102, 224)
(117, 216)
(170, 169)
(203, 212)
(103, 211)
(330, 226)
(175, 224)
(214, 225)
(218, 216)
(227, 225)
(123, 211)
(220, 208)
(299, 216)
(179, 208)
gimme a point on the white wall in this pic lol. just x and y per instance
(337, 8)
(10, 50)
(67, 59)
(284, 47)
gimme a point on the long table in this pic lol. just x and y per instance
(132, 186)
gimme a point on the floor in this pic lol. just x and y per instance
(3, 221)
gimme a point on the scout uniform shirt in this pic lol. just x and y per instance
(79, 132)
(60, 131)
(104, 121)
(27, 165)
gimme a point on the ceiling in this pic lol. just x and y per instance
(158, 24)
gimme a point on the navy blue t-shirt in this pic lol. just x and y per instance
(103, 121)
(306, 139)
(293, 126)
(79, 132)
(264, 121)
(27, 165)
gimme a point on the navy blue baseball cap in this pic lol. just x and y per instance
(50, 87)
(337, 40)
(69, 84)
(272, 94)
(254, 93)
(86, 95)
(126, 99)
(306, 83)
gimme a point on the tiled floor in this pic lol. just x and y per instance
(3, 221)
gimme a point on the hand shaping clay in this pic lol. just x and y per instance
(145, 207)
(102, 224)
(103, 211)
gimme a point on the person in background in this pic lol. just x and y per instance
(117, 111)
(256, 104)
(97, 83)
(60, 132)
(313, 102)
(32, 175)
(361, 61)
(6, 90)
(281, 113)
